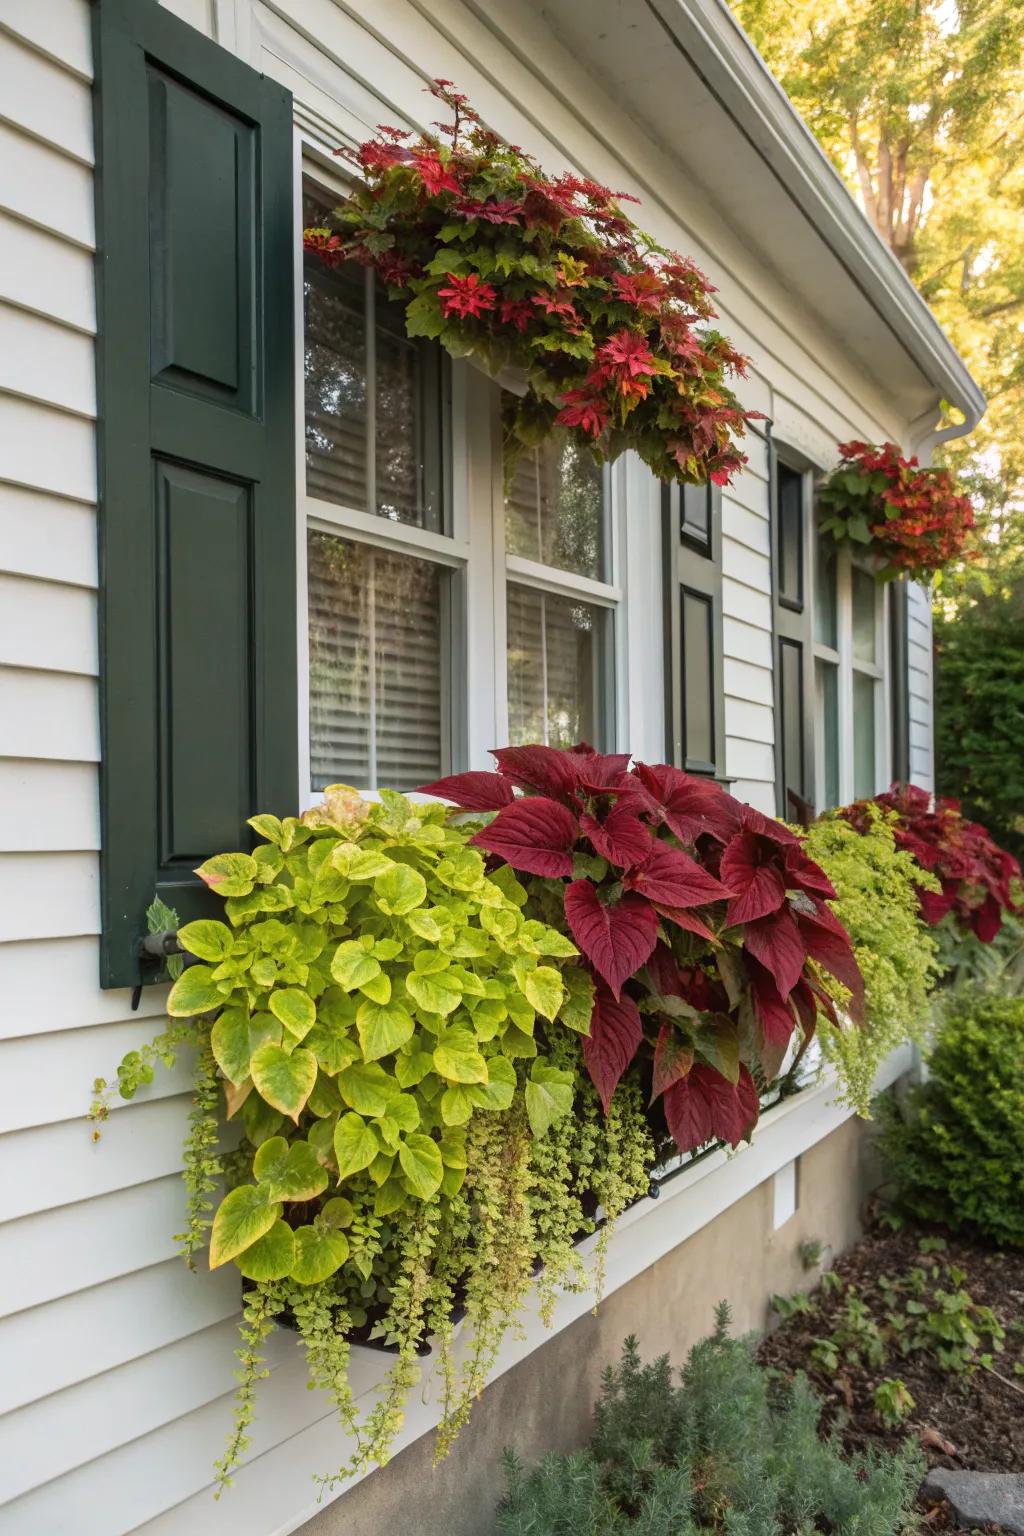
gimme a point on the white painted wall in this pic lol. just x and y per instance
(115, 1363)
(922, 719)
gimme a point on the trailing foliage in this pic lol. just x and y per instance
(955, 1149)
(976, 878)
(979, 710)
(496, 259)
(704, 927)
(725, 1450)
(913, 519)
(876, 886)
(397, 1039)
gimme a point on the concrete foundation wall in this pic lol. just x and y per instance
(545, 1403)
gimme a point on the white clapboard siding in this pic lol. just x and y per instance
(919, 647)
(115, 1392)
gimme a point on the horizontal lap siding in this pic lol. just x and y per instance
(919, 648)
(747, 610)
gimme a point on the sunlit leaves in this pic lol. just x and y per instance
(243, 1216)
(285, 1079)
(355, 1145)
(549, 1095)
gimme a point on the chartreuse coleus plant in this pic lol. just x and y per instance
(704, 928)
(396, 1038)
(492, 257)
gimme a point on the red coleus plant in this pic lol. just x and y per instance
(976, 876)
(913, 519)
(702, 925)
(549, 275)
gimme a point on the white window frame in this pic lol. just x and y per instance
(473, 550)
(842, 658)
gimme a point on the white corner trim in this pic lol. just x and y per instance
(274, 1493)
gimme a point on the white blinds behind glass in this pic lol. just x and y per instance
(552, 668)
(376, 692)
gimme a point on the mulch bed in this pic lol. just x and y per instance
(965, 1421)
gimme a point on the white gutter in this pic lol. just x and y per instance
(717, 47)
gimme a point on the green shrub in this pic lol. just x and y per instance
(876, 885)
(954, 1150)
(725, 1450)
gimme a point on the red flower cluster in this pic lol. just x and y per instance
(701, 922)
(915, 518)
(549, 275)
(976, 876)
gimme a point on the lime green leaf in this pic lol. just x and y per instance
(231, 1044)
(325, 1099)
(207, 940)
(464, 871)
(242, 1216)
(550, 1094)
(516, 1042)
(352, 967)
(355, 1145)
(579, 1002)
(332, 1046)
(452, 1181)
(457, 1104)
(452, 1147)
(544, 990)
(509, 886)
(431, 995)
(260, 1119)
(412, 1069)
(380, 1168)
(498, 1091)
(284, 1080)
(390, 1197)
(425, 925)
(268, 827)
(289, 1172)
(362, 866)
(367, 1087)
(271, 1256)
(430, 962)
(400, 890)
(458, 1058)
(403, 1112)
(378, 988)
(420, 1158)
(195, 991)
(547, 941)
(229, 874)
(338, 1212)
(319, 1251)
(296, 1010)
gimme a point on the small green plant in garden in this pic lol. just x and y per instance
(726, 1449)
(954, 1149)
(893, 1402)
(811, 1251)
(792, 1306)
(876, 885)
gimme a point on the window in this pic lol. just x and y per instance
(381, 569)
(791, 621)
(851, 717)
(694, 665)
(559, 603)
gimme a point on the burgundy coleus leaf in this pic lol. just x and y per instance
(614, 1039)
(617, 939)
(663, 974)
(534, 834)
(621, 837)
(598, 770)
(987, 919)
(803, 873)
(827, 942)
(691, 807)
(935, 904)
(687, 920)
(773, 1011)
(752, 867)
(776, 942)
(767, 826)
(804, 999)
(475, 791)
(673, 879)
(673, 1058)
(544, 770)
(704, 1105)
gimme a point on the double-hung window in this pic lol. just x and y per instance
(852, 717)
(559, 602)
(382, 581)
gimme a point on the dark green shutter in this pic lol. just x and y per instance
(899, 679)
(694, 649)
(794, 650)
(195, 282)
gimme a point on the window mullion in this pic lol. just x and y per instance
(371, 396)
(844, 635)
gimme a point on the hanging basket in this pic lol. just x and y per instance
(545, 282)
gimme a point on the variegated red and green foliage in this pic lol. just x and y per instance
(702, 925)
(915, 520)
(546, 274)
(977, 877)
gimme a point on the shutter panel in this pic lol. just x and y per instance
(899, 679)
(694, 659)
(195, 281)
(794, 652)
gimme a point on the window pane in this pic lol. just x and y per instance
(697, 620)
(553, 668)
(865, 596)
(827, 682)
(376, 666)
(863, 735)
(554, 509)
(791, 536)
(373, 397)
(825, 631)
